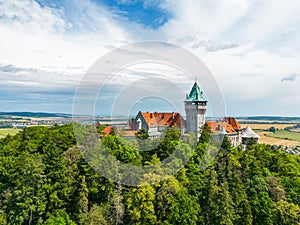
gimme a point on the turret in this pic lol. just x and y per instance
(195, 109)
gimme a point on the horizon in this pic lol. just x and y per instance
(120, 116)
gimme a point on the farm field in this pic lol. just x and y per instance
(6, 131)
(265, 126)
(283, 134)
(275, 141)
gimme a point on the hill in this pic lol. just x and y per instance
(33, 114)
(270, 118)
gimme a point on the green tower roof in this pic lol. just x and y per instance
(196, 95)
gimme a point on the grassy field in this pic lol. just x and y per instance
(283, 134)
(266, 139)
(266, 126)
(6, 131)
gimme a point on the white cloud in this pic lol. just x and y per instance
(201, 20)
(263, 24)
(35, 36)
(235, 38)
(27, 15)
(248, 45)
(290, 77)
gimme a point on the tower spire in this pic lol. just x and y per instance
(195, 109)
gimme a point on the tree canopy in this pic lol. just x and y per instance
(44, 179)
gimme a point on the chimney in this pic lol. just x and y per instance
(186, 95)
(172, 115)
(163, 115)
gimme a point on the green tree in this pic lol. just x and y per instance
(165, 198)
(226, 144)
(121, 150)
(262, 209)
(83, 202)
(142, 134)
(59, 217)
(98, 215)
(205, 134)
(27, 202)
(272, 129)
(185, 209)
(167, 145)
(243, 211)
(140, 205)
(286, 213)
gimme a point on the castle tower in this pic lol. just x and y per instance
(195, 109)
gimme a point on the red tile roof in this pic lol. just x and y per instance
(233, 122)
(163, 119)
(216, 127)
(106, 131)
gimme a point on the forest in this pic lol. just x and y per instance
(44, 179)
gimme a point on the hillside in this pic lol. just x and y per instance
(271, 119)
(33, 114)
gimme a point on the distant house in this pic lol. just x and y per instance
(18, 125)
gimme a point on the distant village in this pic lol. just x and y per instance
(21, 123)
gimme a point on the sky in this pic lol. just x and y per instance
(251, 48)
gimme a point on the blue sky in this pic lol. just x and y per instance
(148, 13)
(251, 47)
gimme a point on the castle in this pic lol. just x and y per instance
(195, 108)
